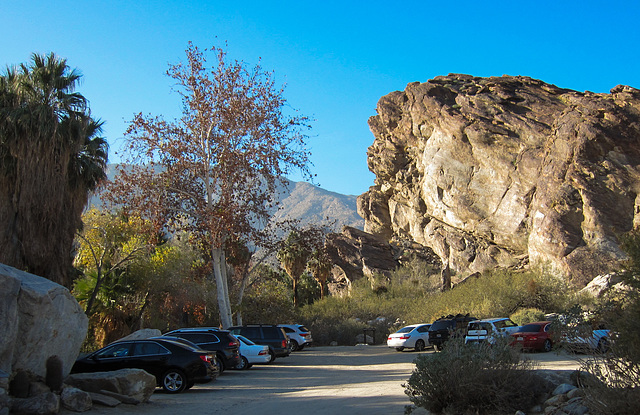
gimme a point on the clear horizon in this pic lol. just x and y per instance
(337, 59)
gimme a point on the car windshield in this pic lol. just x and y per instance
(530, 328)
(441, 325)
(405, 329)
(245, 340)
(480, 326)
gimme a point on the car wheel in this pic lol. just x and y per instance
(546, 347)
(272, 356)
(399, 349)
(419, 345)
(243, 363)
(174, 381)
(218, 363)
(293, 345)
(603, 345)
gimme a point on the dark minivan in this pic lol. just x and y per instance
(213, 339)
(446, 327)
(267, 335)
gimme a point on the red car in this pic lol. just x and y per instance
(533, 336)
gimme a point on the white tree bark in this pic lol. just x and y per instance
(222, 286)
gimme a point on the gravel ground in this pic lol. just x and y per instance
(318, 380)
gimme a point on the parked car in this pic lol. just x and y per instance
(251, 353)
(176, 365)
(534, 336)
(415, 336)
(489, 330)
(267, 335)
(598, 342)
(299, 336)
(447, 327)
(213, 339)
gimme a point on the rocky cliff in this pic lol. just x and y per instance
(500, 171)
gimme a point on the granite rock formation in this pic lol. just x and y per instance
(501, 171)
(356, 254)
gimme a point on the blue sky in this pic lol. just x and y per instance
(337, 58)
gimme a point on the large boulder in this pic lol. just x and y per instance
(496, 172)
(135, 383)
(38, 319)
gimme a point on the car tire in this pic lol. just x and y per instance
(272, 356)
(419, 345)
(293, 345)
(174, 381)
(546, 347)
(243, 364)
(218, 363)
(399, 349)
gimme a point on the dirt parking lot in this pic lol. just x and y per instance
(318, 380)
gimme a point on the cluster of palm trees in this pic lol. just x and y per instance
(51, 157)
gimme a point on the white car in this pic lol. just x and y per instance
(299, 336)
(251, 353)
(415, 336)
(489, 330)
(598, 342)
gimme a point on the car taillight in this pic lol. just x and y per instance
(405, 337)
(284, 344)
(234, 344)
(263, 352)
(205, 358)
(304, 334)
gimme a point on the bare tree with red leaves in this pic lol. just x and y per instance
(214, 172)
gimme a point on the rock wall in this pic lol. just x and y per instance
(495, 172)
(38, 319)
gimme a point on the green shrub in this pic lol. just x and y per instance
(472, 379)
(527, 315)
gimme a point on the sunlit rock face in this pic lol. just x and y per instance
(501, 171)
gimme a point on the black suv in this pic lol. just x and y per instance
(212, 339)
(446, 327)
(267, 335)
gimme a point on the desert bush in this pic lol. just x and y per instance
(474, 379)
(612, 384)
(527, 315)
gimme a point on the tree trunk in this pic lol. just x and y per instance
(220, 274)
(295, 292)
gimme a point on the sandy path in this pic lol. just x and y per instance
(318, 380)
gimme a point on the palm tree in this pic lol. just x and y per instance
(293, 258)
(320, 267)
(51, 157)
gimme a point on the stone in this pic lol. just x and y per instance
(38, 319)
(506, 171)
(575, 407)
(105, 400)
(333, 343)
(575, 393)
(75, 399)
(601, 284)
(135, 383)
(43, 404)
(562, 389)
(555, 400)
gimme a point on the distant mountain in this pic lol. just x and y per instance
(304, 202)
(312, 204)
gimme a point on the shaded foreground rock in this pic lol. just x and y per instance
(135, 383)
(38, 319)
(495, 172)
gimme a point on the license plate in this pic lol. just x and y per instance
(439, 335)
(520, 339)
